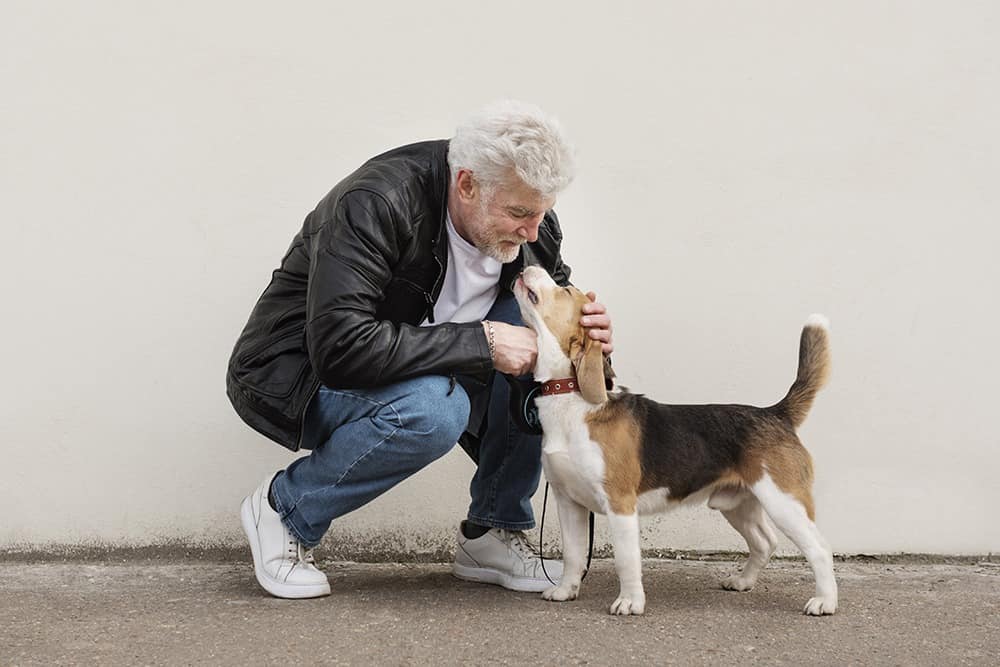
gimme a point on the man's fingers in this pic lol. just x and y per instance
(603, 335)
(602, 321)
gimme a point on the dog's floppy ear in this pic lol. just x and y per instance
(588, 361)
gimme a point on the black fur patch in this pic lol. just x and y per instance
(686, 447)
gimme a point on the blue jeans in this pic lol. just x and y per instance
(365, 441)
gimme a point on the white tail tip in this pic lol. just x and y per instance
(817, 320)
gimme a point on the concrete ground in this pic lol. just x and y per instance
(196, 612)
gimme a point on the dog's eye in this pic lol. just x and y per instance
(532, 296)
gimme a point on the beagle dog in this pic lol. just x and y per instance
(623, 454)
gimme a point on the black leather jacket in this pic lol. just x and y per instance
(344, 307)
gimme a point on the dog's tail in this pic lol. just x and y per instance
(814, 369)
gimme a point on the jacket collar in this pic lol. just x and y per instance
(439, 244)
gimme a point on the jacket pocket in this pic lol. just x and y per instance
(274, 368)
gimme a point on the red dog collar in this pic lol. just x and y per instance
(563, 386)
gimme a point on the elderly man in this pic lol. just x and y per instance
(377, 341)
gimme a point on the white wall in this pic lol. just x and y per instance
(742, 165)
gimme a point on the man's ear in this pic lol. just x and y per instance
(466, 185)
(588, 360)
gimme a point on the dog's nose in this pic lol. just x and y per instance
(530, 271)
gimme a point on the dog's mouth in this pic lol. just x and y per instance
(529, 293)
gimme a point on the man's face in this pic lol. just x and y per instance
(504, 219)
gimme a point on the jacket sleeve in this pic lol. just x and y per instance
(560, 269)
(351, 260)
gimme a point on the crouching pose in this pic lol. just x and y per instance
(376, 345)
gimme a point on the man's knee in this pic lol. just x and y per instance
(438, 410)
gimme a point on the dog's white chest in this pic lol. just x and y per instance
(573, 463)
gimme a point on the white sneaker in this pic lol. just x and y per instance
(505, 558)
(284, 568)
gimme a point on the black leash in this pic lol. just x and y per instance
(541, 539)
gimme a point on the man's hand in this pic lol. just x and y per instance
(515, 348)
(598, 323)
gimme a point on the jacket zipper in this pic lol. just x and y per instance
(430, 308)
(429, 297)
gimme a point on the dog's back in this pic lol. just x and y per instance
(683, 449)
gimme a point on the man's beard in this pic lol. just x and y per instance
(503, 249)
(492, 245)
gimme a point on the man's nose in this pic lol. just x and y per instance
(529, 230)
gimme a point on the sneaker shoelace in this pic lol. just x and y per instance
(300, 553)
(306, 555)
(518, 543)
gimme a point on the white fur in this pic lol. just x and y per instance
(628, 562)
(573, 462)
(573, 525)
(654, 501)
(551, 363)
(791, 518)
(817, 320)
(744, 513)
(726, 498)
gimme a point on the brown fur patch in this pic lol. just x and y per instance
(730, 480)
(617, 434)
(787, 462)
(649, 446)
(814, 371)
(561, 309)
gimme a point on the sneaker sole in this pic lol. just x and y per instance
(482, 575)
(276, 588)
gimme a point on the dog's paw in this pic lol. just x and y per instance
(628, 604)
(737, 582)
(820, 606)
(561, 593)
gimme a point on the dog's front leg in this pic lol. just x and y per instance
(628, 563)
(573, 525)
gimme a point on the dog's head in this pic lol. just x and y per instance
(554, 313)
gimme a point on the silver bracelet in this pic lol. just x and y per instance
(491, 339)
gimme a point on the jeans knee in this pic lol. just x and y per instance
(438, 411)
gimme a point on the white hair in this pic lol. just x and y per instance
(510, 136)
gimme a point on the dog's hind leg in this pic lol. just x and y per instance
(790, 516)
(749, 520)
